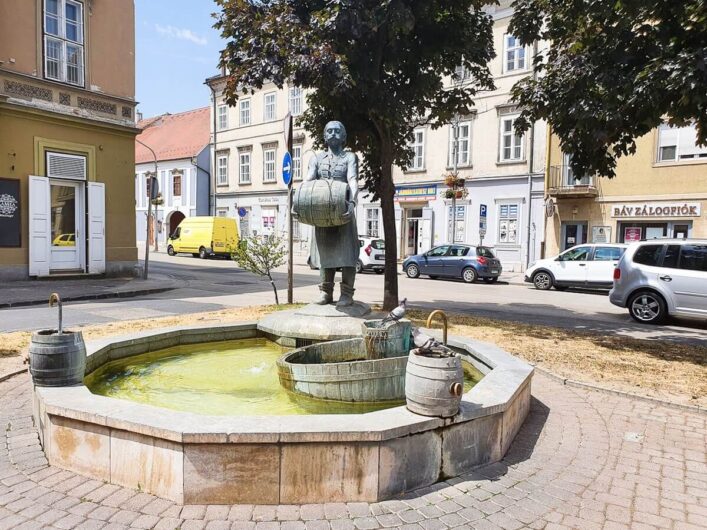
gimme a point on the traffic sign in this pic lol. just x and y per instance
(482, 211)
(287, 168)
(242, 212)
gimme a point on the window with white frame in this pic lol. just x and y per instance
(418, 147)
(679, 144)
(511, 143)
(222, 117)
(297, 162)
(508, 223)
(222, 169)
(514, 54)
(244, 166)
(244, 106)
(64, 41)
(463, 144)
(296, 104)
(372, 222)
(461, 74)
(270, 106)
(269, 155)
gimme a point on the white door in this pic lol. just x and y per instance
(572, 265)
(600, 270)
(39, 226)
(425, 242)
(66, 208)
(96, 227)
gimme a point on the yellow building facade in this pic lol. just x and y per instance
(67, 138)
(660, 191)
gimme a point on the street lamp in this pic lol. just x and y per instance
(153, 181)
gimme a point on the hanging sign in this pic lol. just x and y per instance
(10, 219)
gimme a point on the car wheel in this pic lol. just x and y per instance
(647, 307)
(380, 271)
(469, 275)
(359, 266)
(542, 280)
(413, 271)
(170, 250)
(202, 253)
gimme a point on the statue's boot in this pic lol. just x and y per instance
(346, 298)
(327, 293)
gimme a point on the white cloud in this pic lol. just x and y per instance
(183, 34)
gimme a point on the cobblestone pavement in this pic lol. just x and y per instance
(583, 459)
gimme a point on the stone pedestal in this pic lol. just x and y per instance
(314, 323)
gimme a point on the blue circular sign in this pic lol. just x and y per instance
(287, 168)
(242, 212)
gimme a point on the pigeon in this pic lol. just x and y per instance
(397, 313)
(422, 341)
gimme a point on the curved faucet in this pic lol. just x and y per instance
(54, 299)
(440, 313)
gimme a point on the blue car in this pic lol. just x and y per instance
(455, 261)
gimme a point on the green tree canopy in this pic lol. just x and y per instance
(376, 65)
(614, 70)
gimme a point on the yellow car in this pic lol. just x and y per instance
(65, 240)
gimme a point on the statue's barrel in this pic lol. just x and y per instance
(322, 202)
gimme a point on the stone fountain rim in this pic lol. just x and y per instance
(506, 376)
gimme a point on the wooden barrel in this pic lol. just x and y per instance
(57, 360)
(392, 339)
(322, 202)
(434, 385)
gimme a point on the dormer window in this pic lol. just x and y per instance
(64, 41)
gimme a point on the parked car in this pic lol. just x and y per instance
(587, 266)
(204, 237)
(371, 255)
(655, 279)
(455, 261)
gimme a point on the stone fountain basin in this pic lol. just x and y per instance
(339, 371)
(194, 459)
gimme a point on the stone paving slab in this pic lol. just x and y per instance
(583, 459)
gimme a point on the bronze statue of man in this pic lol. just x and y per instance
(338, 246)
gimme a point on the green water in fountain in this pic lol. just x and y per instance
(236, 378)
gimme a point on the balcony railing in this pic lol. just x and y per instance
(562, 183)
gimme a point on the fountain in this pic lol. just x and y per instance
(333, 429)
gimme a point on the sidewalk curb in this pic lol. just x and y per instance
(579, 384)
(8, 375)
(98, 296)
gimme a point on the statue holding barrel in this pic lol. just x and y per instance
(327, 200)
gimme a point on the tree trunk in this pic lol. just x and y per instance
(274, 290)
(387, 197)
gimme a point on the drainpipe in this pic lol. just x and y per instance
(531, 160)
(214, 168)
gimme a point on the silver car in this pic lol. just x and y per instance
(664, 277)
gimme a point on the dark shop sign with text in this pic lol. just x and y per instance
(10, 219)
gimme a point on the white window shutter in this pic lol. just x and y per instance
(427, 226)
(39, 226)
(96, 228)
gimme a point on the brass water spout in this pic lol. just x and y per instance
(444, 323)
(54, 299)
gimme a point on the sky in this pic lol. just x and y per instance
(176, 50)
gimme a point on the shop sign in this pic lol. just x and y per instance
(601, 234)
(10, 220)
(631, 234)
(269, 200)
(656, 209)
(415, 193)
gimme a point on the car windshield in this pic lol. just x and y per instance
(484, 252)
(378, 244)
(175, 234)
(439, 251)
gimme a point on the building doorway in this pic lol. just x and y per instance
(574, 233)
(66, 216)
(175, 218)
(413, 231)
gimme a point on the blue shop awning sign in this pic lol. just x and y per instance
(412, 193)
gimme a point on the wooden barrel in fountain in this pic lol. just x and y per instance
(434, 384)
(339, 371)
(57, 359)
(322, 202)
(391, 339)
